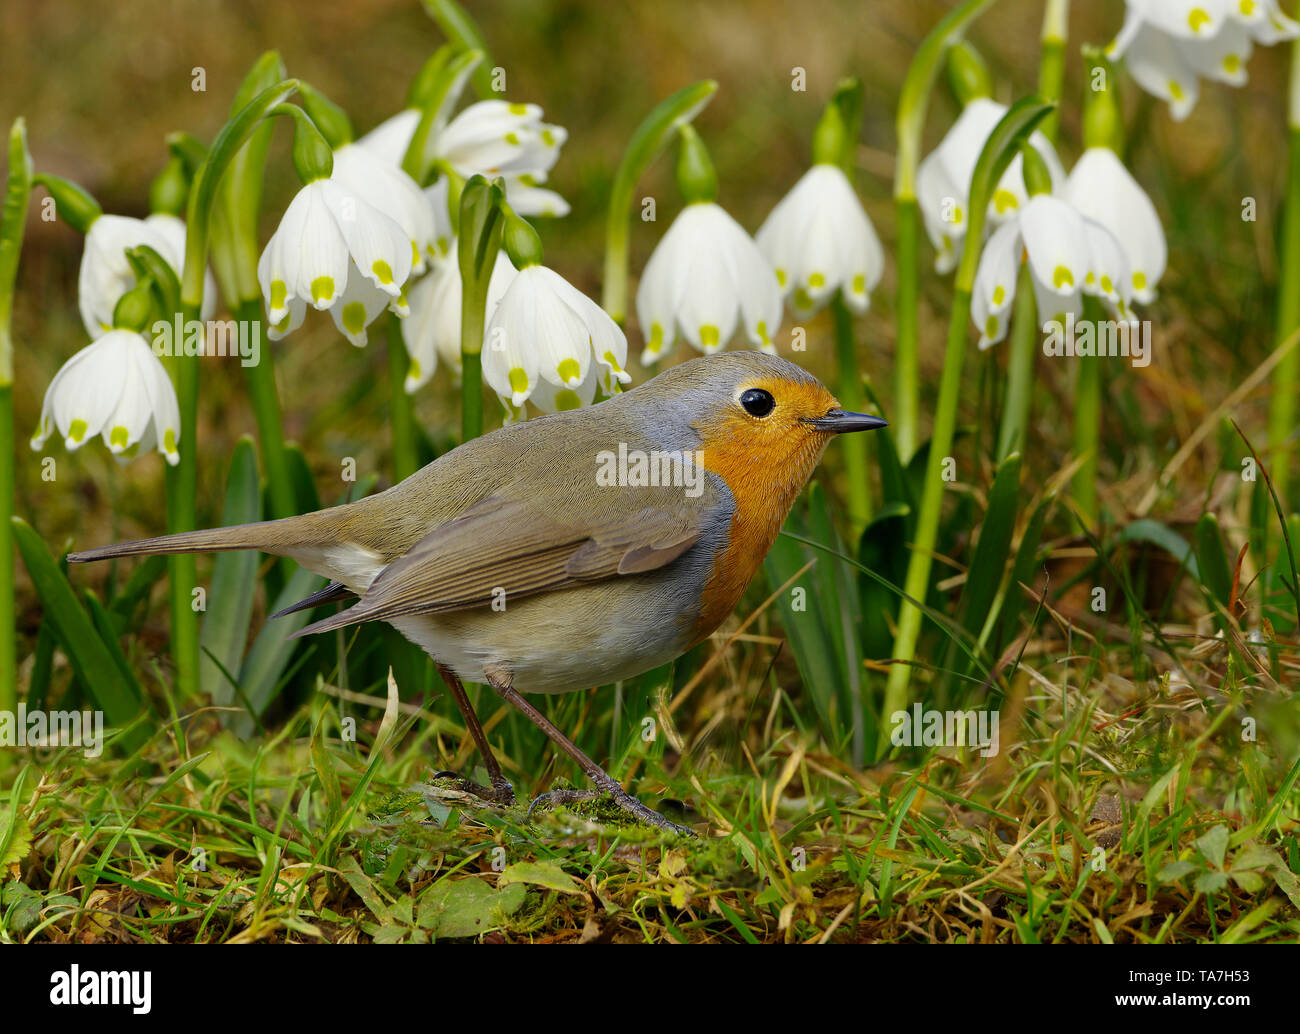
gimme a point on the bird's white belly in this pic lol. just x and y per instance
(555, 643)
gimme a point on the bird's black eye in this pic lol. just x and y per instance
(757, 402)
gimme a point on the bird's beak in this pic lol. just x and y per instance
(837, 422)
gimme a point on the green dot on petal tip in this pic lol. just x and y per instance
(118, 437)
(322, 288)
(999, 293)
(567, 399)
(1140, 281)
(518, 109)
(519, 379)
(279, 292)
(708, 335)
(990, 326)
(78, 430)
(413, 370)
(548, 138)
(613, 361)
(1062, 277)
(656, 336)
(780, 278)
(1175, 90)
(169, 440)
(761, 329)
(816, 280)
(1004, 200)
(1197, 18)
(860, 284)
(569, 370)
(512, 139)
(354, 317)
(383, 271)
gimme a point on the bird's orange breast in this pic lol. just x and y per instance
(765, 477)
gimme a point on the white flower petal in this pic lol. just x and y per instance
(1055, 242)
(1101, 188)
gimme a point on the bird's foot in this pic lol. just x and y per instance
(620, 797)
(500, 793)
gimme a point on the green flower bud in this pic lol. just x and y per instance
(313, 158)
(696, 177)
(134, 309)
(330, 119)
(967, 73)
(1037, 179)
(520, 240)
(74, 203)
(170, 189)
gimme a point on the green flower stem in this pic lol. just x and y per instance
(912, 105)
(652, 136)
(265, 400)
(1282, 417)
(482, 222)
(182, 480)
(460, 28)
(907, 359)
(401, 414)
(1022, 350)
(1023, 347)
(1087, 427)
(1051, 67)
(852, 398)
(1000, 148)
(13, 221)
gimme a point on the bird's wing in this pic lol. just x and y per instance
(519, 548)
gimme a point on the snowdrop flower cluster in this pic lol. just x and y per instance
(1170, 45)
(1069, 255)
(943, 180)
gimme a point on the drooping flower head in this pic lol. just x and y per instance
(117, 388)
(334, 250)
(818, 238)
(547, 342)
(706, 278)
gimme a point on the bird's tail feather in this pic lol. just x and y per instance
(263, 535)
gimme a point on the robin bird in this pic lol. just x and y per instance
(572, 550)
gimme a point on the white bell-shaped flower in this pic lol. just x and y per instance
(705, 280)
(819, 240)
(944, 175)
(105, 274)
(489, 138)
(1170, 45)
(116, 388)
(545, 329)
(1069, 256)
(389, 189)
(433, 327)
(1101, 188)
(334, 250)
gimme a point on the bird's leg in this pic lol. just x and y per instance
(502, 792)
(606, 784)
